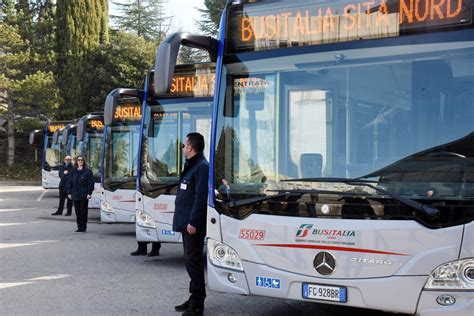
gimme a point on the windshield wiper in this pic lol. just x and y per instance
(166, 186)
(430, 211)
(257, 199)
(117, 184)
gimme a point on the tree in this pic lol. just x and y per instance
(211, 16)
(23, 91)
(82, 26)
(123, 62)
(145, 18)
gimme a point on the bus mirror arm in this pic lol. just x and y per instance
(167, 55)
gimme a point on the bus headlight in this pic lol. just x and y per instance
(223, 256)
(106, 207)
(145, 220)
(455, 275)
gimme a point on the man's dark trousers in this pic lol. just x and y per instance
(82, 209)
(62, 197)
(193, 249)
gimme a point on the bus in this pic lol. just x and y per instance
(167, 119)
(122, 118)
(90, 131)
(51, 158)
(342, 152)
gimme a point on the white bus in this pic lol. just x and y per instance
(167, 120)
(90, 131)
(342, 161)
(51, 158)
(122, 117)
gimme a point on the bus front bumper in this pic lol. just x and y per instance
(399, 294)
(160, 233)
(117, 216)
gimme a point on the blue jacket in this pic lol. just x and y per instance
(191, 198)
(81, 184)
(65, 178)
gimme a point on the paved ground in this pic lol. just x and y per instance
(45, 269)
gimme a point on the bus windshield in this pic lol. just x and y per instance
(166, 124)
(399, 114)
(94, 152)
(121, 156)
(52, 155)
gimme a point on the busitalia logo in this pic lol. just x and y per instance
(304, 230)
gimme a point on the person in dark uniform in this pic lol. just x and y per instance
(142, 249)
(80, 190)
(65, 175)
(190, 219)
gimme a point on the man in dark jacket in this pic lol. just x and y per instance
(190, 219)
(80, 189)
(64, 174)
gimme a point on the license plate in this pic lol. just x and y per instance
(325, 292)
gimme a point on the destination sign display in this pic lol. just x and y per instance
(128, 112)
(96, 125)
(54, 127)
(269, 25)
(191, 83)
(199, 85)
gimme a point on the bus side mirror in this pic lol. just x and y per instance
(167, 55)
(112, 101)
(56, 136)
(81, 127)
(65, 135)
(33, 138)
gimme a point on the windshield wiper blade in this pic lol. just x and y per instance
(331, 180)
(428, 210)
(257, 199)
(166, 186)
(114, 185)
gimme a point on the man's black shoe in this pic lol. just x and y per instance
(138, 252)
(194, 310)
(56, 213)
(183, 307)
(67, 214)
(154, 253)
(80, 231)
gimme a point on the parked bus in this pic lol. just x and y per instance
(122, 118)
(342, 160)
(90, 131)
(167, 119)
(51, 159)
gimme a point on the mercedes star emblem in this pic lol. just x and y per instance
(324, 263)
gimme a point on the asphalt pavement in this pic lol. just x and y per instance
(46, 269)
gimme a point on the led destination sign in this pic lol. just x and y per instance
(199, 85)
(189, 82)
(276, 24)
(128, 112)
(54, 127)
(96, 124)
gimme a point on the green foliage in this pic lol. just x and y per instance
(210, 17)
(144, 18)
(25, 171)
(81, 29)
(31, 94)
(123, 62)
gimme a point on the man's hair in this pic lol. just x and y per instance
(196, 141)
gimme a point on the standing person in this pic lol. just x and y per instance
(80, 191)
(190, 219)
(65, 175)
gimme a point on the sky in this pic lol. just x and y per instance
(183, 11)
